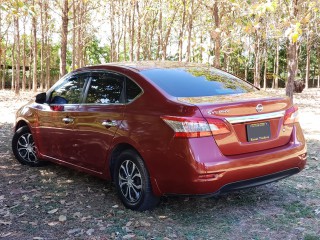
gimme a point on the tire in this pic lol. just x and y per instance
(132, 182)
(24, 149)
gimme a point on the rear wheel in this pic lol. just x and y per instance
(24, 148)
(133, 183)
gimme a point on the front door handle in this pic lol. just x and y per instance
(67, 120)
(109, 123)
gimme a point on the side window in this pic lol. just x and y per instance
(105, 88)
(132, 90)
(69, 92)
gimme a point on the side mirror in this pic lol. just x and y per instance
(41, 98)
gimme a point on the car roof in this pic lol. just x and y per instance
(146, 65)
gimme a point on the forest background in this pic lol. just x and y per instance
(269, 43)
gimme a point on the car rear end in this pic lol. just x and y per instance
(237, 136)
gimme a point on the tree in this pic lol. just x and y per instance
(34, 48)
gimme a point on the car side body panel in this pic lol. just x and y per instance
(191, 166)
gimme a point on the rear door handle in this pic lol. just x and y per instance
(109, 123)
(67, 120)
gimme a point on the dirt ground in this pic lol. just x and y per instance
(53, 202)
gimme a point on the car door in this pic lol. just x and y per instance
(56, 120)
(98, 119)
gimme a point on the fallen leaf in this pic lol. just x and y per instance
(3, 235)
(25, 197)
(5, 223)
(145, 224)
(129, 224)
(33, 176)
(53, 211)
(62, 218)
(90, 231)
(128, 236)
(73, 231)
(77, 214)
(20, 191)
(53, 223)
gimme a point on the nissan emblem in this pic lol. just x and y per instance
(259, 108)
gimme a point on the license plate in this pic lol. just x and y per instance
(258, 131)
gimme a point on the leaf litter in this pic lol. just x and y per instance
(53, 202)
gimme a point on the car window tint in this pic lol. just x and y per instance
(132, 90)
(105, 88)
(69, 92)
(197, 82)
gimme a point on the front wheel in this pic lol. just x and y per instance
(133, 183)
(24, 148)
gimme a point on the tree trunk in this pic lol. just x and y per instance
(74, 34)
(246, 72)
(34, 31)
(17, 83)
(64, 38)
(112, 29)
(308, 62)
(165, 41)
(190, 26)
(276, 80)
(217, 39)
(225, 61)
(318, 85)
(180, 44)
(29, 81)
(292, 68)
(159, 33)
(13, 67)
(4, 72)
(47, 47)
(24, 57)
(265, 67)
(124, 23)
(131, 31)
(256, 76)
(138, 41)
(42, 46)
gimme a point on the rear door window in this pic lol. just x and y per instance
(105, 88)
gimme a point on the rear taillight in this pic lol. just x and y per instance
(291, 116)
(195, 127)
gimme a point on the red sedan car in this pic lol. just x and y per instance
(162, 128)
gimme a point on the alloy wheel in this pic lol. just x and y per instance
(130, 181)
(26, 148)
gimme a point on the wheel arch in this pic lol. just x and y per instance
(20, 123)
(117, 150)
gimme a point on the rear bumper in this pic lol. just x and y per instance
(208, 172)
(253, 182)
(258, 181)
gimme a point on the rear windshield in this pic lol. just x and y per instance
(197, 82)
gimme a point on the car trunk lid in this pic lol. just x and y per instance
(255, 120)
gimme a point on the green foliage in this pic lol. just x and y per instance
(97, 54)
